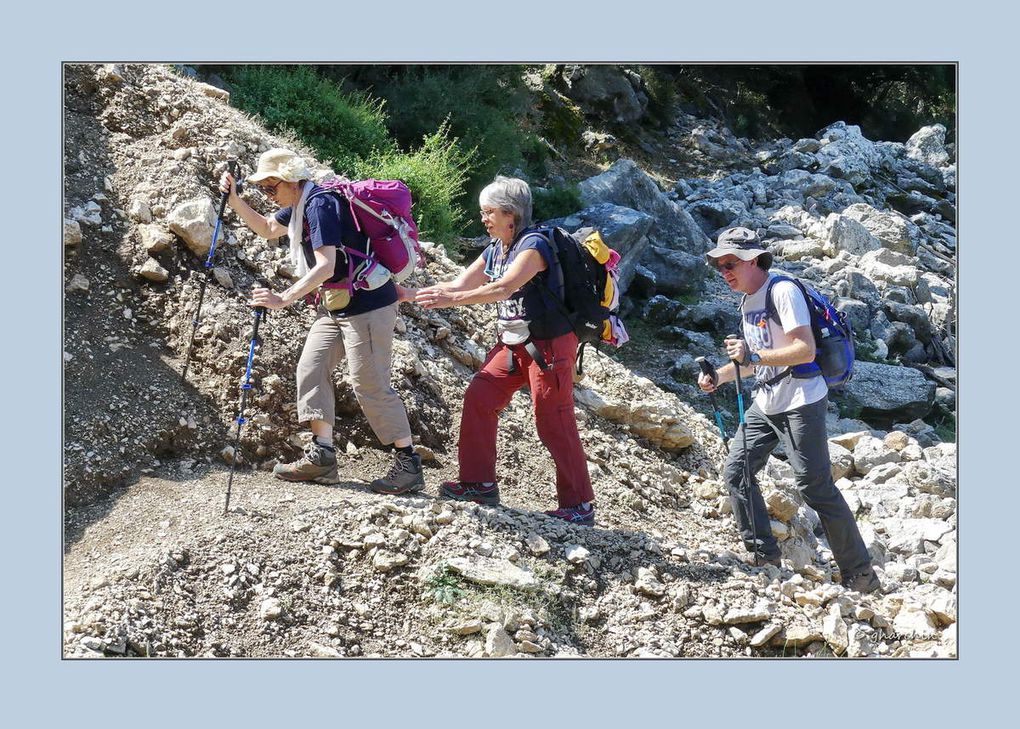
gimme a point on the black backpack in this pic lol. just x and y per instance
(589, 300)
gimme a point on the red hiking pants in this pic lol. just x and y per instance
(552, 395)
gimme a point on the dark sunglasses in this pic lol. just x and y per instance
(269, 189)
(729, 266)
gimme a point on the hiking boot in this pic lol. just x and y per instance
(864, 582)
(404, 477)
(775, 560)
(318, 465)
(575, 515)
(481, 493)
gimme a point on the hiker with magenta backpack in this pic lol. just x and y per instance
(536, 347)
(790, 398)
(353, 321)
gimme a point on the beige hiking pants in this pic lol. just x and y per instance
(366, 340)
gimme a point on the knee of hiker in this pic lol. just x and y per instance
(733, 472)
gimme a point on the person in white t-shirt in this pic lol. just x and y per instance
(785, 409)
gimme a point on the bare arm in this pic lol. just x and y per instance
(799, 351)
(524, 268)
(325, 261)
(261, 225)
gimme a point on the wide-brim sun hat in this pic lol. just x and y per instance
(742, 243)
(283, 164)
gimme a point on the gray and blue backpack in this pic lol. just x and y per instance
(834, 338)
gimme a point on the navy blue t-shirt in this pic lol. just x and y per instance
(536, 300)
(329, 222)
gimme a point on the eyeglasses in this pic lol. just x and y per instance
(728, 266)
(488, 212)
(269, 189)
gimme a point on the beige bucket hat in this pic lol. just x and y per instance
(282, 164)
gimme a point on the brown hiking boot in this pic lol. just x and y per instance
(404, 477)
(318, 465)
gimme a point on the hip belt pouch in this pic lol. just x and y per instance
(335, 296)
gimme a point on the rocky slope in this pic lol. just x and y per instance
(153, 567)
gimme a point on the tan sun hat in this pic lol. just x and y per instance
(281, 164)
(742, 243)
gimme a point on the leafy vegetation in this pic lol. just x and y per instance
(555, 202)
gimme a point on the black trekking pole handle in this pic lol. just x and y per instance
(260, 313)
(708, 369)
(232, 167)
(748, 502)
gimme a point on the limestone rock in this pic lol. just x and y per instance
(194, 221)
(491, 571)
(72, 233)
(152, 271)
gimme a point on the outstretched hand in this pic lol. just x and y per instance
(434, 297)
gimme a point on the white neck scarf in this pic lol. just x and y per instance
(295, 231)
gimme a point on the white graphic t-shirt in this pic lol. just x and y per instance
(760, 332)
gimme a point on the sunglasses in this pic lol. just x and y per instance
(728, 266)
(269, 189)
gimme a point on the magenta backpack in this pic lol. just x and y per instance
(382, 211)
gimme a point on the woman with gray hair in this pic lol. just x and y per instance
(357, 326)
(536, 347)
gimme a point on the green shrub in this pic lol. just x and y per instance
(342, 127)
(435, 173)
(555, 202)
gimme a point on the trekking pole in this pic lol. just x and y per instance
(260, 313)
(747, 464)
(232, 166)
(708, 369)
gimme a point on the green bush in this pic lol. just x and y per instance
(435, 173)
(555, 202)
(342, 127)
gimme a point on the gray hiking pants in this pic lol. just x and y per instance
(802, 432)
(366, 340)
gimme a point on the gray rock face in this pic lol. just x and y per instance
(606, 90)
(888, 391)
(889, 267)
(626, 184)
(846, 154)
(676, 272)
(927, 145)
(847, 234)
(893, 230)
(714, 215)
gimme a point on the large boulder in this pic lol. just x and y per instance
(626, 184)
(711, 215)
(845, 153)
(676, 272)
(194, 221)
(623, 229)
(893, 230)
(795, 185)
(889, 267)
(609, 91)
(928, 145)
(847, 234)
(889, 392)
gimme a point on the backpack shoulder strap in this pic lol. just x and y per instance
(770, 307)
